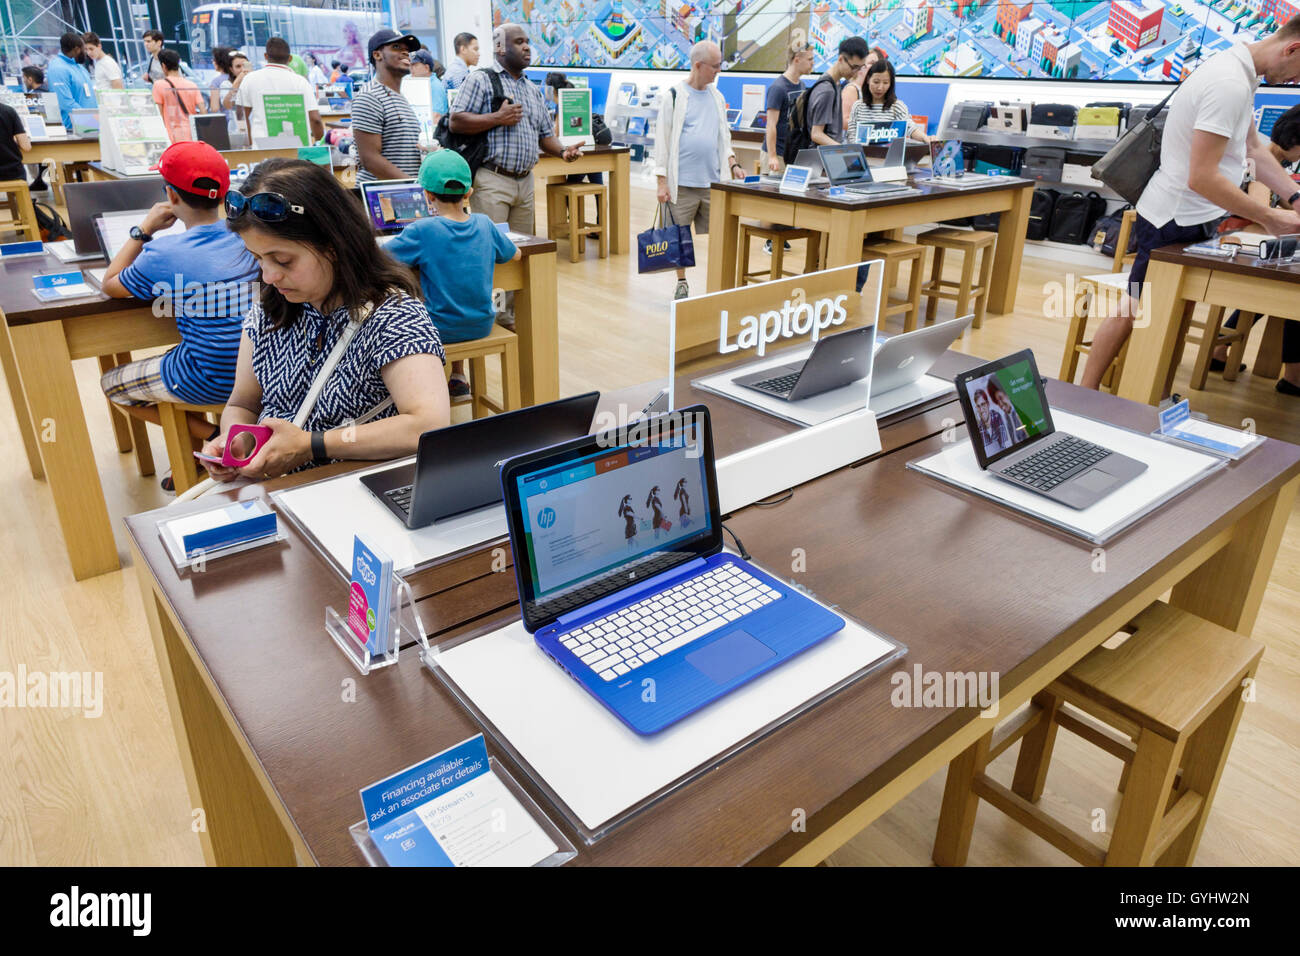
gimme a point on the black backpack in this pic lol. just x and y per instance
(798, 134)
(1074, 217)
(1042, 204)
(473, 147)
(1105, 234)
(50, 223)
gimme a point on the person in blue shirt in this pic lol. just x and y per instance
(455, 253)
(204, 277)
(421, 68)
(68, 79)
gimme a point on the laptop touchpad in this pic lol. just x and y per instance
(1095, 480)
(729, 656)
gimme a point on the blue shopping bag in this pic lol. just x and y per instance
(665, 245)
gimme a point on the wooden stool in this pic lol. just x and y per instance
(1123, 258)
(500, 342)
(1088, 289)
(571, 199)
(1211, 336)
(778, 238)
(1174, 689)
(181, 445)
(895, 253)
(968, 242)
(18, 199)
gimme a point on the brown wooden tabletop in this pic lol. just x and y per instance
(21, 307)
(1244, 264)
(908, 556)
(817, 196)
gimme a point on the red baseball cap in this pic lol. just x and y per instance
(196, 168)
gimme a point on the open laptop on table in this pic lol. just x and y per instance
(455, 468)
(393, 204)
(836, 360)
(847, 166)
(113, 229)
(905, 359)
(621, 575)
(1010, 426)
(85, 201)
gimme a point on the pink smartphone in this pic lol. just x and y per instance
(259, 435)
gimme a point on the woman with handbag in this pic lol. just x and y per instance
(339, 359)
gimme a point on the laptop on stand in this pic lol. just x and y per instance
(835, 361)
(1011, 429)
(393, 204)
(847, 166)
(455, 468)
(905, 359)
(617, 544)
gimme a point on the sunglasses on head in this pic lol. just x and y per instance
(268, 207)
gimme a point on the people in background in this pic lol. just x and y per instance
(322, 271)
(459, 300)
(222, 81)
(1209, 133)
(851, 91)
(465, 47)
(68, 79)
(880, 104)
(298, 65)
(204, 276)
(516, 130)
(315, 74)
(439, 70)
(1284, 146)
(153, 44)
(34, 80)
(825, 109)
(240, 68)
(422, 68)
(384, 126)
(14, 141)
(344, 79)
(178, 98)
(275, 78)
(780, 97)
(108, 74)
(693, 146)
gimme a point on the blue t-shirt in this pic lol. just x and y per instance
(438, 96)
(456, 261)
(208, 280)
(69, 80)
(697, 153)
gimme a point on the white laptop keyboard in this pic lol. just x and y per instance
(667, 621)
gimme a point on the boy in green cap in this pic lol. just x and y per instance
(456, 253)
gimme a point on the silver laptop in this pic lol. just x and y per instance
(836, 360)
(813, 160)
(847, 166)
(907, 358)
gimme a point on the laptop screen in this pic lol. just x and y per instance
(606, 515)
(394, 203)
(1007, 405)
(947, 159)
(733, 117)
(845, 164)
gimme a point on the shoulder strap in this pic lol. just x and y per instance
(331, 362)
(498, 91)
(177, 93)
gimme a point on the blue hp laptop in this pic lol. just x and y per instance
(617, 543)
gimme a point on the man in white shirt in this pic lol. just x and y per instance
(108, 75)
(1208, 136)
(276, 78)
(693, 149)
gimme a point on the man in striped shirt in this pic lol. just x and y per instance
(384, 125)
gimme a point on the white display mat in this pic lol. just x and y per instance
(331, 512)
(808, 411)
(905, 396)
(594, 764)
(1170, 469)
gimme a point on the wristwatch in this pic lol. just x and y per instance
(318, 454)
(1291, 201)
(139, 234)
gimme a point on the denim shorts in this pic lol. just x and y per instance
(1148, 237)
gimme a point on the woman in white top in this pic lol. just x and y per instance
(881, 104)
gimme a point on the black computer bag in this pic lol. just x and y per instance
(1074, 216)
(1042, 205)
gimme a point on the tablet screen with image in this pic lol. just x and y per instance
(1008, 407)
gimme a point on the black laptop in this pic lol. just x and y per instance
(456, 468)
(836, 360)
(1011, 429)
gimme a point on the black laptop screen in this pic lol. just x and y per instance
(1008, 408)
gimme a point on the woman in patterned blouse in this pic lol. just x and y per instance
(880, 103)
(321, 268)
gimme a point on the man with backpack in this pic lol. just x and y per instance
(503, 105)
(784, 90)
(1208, 136)
(817, 117)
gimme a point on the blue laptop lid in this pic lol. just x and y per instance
(593, 516)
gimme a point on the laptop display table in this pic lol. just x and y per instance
(892, 549)
(847, 221)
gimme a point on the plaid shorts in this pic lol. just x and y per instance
(137, 383)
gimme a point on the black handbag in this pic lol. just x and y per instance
(1129, 165)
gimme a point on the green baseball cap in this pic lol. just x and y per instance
(445, 173)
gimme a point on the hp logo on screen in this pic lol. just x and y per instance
(546, 518)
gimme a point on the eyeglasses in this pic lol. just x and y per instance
(268, 207)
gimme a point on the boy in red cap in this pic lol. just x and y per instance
(203, 277)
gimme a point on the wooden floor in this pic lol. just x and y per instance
(82, 791)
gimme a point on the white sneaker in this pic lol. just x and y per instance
(682, 290)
